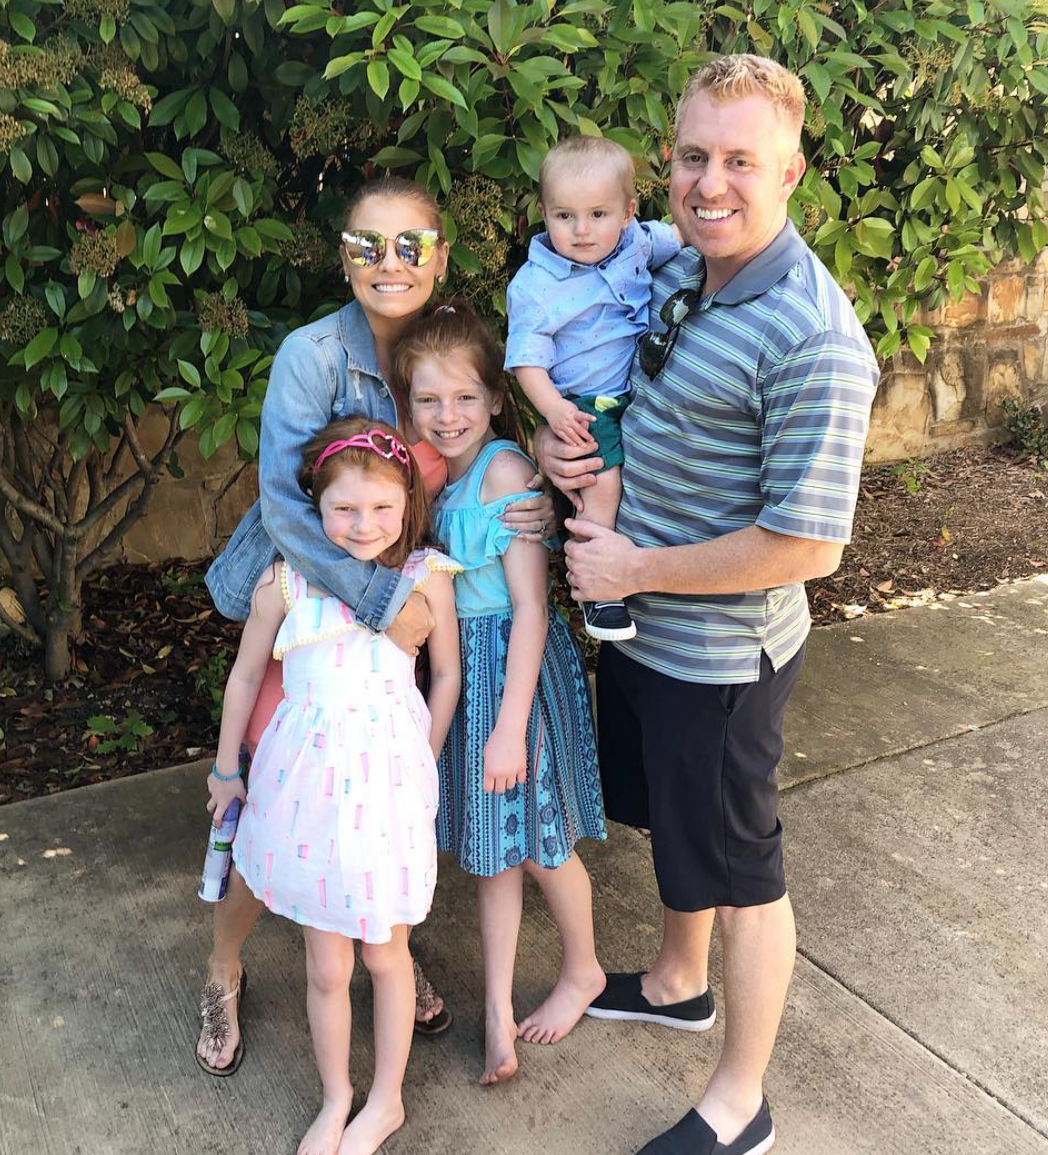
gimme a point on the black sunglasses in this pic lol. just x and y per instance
(655, 348)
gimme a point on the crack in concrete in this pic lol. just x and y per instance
(1012, 1110)
(822, 775)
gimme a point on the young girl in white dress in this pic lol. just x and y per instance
(337, 831)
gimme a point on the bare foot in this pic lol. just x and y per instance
(220, 1030)
(500, 1059)
(562, 1010)
(323, 1136)
(372, 1127)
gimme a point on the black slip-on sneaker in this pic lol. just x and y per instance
(694, 1136)
(623, 998)
(608, 621)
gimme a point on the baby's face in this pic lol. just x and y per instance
(585, 216)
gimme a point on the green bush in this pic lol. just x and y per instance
(173, 172)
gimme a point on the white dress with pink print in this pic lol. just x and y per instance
(337, 831)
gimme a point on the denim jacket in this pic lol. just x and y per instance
(323, 371)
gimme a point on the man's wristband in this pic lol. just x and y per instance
(216, 773)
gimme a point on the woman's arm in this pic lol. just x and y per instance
(256, 646)
(298, 405)
(526, 565)
(445, 664)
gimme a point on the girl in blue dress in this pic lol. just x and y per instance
(519, 782)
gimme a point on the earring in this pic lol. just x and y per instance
(440, 279)
(345, 277)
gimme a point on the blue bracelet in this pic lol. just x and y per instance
(225, 777)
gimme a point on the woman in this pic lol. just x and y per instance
(393, 255)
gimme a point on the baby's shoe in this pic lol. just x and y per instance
(608, 621)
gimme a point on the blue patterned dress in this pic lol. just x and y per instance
(561, 800)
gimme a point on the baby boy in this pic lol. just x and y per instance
(576, 310)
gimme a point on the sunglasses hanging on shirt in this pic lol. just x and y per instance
(655, 347)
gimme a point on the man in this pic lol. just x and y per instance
(744, 443)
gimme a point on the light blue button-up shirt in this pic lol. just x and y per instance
(581, 322)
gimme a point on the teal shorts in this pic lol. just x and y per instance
(605, 430)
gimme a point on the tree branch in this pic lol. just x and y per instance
(31, 509)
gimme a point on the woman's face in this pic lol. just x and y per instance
(393, 290)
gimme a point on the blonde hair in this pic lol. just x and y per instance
(579, 155)
(741, 75)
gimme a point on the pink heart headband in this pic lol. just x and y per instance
(395, 448)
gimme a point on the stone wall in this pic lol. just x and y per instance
(990, 346)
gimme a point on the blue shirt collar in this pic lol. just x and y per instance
(542, 253)
(355, 334)
(757, 276)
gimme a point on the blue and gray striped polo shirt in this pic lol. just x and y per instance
(758, 418)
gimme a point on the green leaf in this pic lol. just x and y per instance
(443, 88)
(395, 157)
(189, 373)
(924, 193)
(168, 107)
(107, 29)
(378, 78)
(405, 63)
(919, 344)
(294, 73)
(151, 246)
(20, 165)
(181, 219)
(173, 393)
(165, 166)
(22, 25)
(442, 26)
(13, 272)
(16, 225)
(925, 274)
(218, 223)
(40, 346)
(247, 436)
(244, 197)
(85, 283)
(339, 64)
(808, 27)
(196, 116)
(226, 111)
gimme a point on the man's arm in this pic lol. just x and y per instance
(298, 405)
(605, 565)
(815, 415)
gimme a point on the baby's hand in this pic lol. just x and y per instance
(222, 793)
(569, 423)
(505, 763)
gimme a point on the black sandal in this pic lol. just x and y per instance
(216, 1024)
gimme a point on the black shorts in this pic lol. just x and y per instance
(696, 765)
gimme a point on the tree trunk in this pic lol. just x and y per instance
(57, 661)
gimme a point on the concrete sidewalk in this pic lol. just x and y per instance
(917, 1021)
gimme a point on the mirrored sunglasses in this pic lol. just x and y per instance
(415, 247)
(655, 347)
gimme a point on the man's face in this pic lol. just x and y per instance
(734, 168)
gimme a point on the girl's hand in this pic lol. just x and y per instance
(532, 518)
(222, 793)
(505, 762)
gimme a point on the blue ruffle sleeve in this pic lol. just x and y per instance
(476, 536)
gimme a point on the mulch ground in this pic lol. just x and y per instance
(152, 661)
